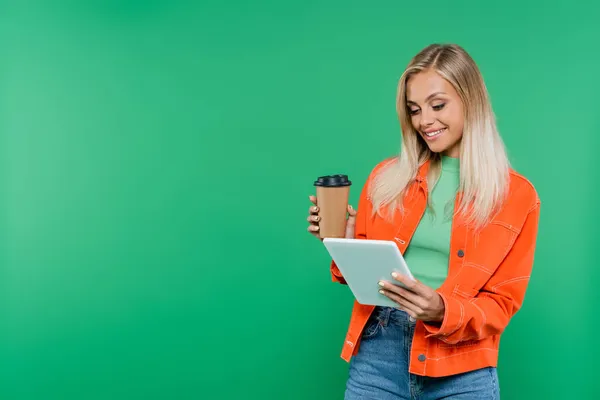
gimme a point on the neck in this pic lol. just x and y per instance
(450, 163)
(454, 151)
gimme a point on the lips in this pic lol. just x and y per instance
(434, 134)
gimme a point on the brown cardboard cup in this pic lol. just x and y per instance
(333, 192)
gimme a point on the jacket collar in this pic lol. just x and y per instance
(422, 171)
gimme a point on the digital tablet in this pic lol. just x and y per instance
(363, 263)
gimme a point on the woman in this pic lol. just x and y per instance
(466, 224)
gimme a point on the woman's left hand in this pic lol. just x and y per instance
(418, 300)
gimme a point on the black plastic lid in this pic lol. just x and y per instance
(333, 181)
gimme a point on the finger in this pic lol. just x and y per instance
(313, 199)
(351, 211)
(349, 231)
(351, 217)
(314, 230)
(313, 219)
(411, 284)
(406, 294)
(350, 223)
(412, 309)
(409, 312)
(390, 287)
(313, 210)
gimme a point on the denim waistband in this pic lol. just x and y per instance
(391, 315)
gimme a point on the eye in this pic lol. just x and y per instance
(438, 107)
(413, 111)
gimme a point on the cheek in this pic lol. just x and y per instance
(415, 121)
(458, 125)
(455, 121)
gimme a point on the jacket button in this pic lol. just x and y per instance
(461, 253)
(421, 357)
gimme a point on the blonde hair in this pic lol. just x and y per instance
(484, 166)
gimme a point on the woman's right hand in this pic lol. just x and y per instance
(313, 220)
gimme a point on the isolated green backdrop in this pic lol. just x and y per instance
(155, 163)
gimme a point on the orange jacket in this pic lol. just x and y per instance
(485, 287)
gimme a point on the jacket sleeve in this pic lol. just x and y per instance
(489, 312)
(360, 230)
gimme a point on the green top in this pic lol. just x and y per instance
(429, 248)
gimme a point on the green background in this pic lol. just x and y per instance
(156, 161)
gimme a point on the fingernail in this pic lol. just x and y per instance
(381, 291)
(394, 274)
(381, 283)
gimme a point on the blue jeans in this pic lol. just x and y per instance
(380, 369)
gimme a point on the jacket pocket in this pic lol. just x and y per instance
(488, 249)
(507, 232)
(459, 345)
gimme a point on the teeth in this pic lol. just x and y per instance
(434, 133)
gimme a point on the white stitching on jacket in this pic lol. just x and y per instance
(511, 280)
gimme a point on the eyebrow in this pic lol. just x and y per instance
(428, 97)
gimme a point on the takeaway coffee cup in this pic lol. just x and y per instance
(332, 199)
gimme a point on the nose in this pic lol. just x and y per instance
(427, 118)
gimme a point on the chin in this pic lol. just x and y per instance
(437, 149)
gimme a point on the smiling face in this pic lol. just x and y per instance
(436, 112)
